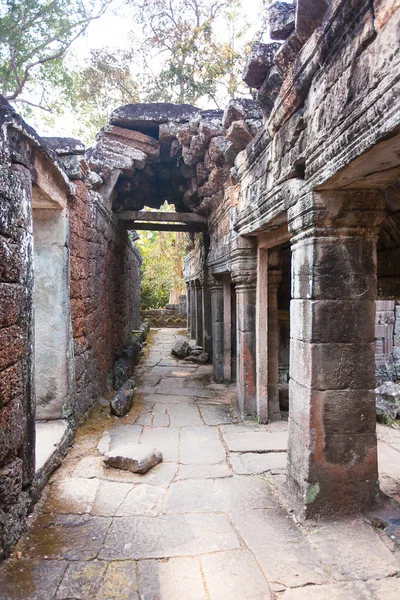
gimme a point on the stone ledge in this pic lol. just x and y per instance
(52, 441)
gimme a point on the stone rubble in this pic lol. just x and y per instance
(133, 457)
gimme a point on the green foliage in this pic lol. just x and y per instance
(103, 84)
(186, 35)
(162, 254)
(34, 37)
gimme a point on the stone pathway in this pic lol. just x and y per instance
(206, 524)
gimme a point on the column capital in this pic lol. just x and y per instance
(274, 278)
(245, 279)
(215, 284)
(337, 213)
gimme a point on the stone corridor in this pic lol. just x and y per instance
(208, 523)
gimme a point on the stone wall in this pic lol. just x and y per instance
(65, 260)
(105, 292)
(173, 315)
(17, 397)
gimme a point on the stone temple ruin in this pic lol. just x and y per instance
(291, 203)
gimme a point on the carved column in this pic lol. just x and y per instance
(267, 354)
(188, 306)
(217, 318)
(192, 323)
(245, 282)
(274, 279)
(227, 329)
(332, 456)
(199, 313)
(206, 341)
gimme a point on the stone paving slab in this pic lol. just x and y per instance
(281, 549)
(163, 439)
(152, 398)
(143, 500)
(179, 578)
(93, 466)
(256, 441)
(215, 415)
(184, 416)
(81, 580)
(109, 497)
(30, 579)
(201, 445)
(168, 536)
(204, 471)
(71, 495)
(119, 582)
(70, 537)
(218, 495)
(250, 463)
(119, 435)
(234, 576)
(384, 589)
(362, 554)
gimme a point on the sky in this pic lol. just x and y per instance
(113, 30)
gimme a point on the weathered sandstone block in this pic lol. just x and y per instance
(259, 61)
(136, 458)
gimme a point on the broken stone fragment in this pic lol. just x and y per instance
(231, 153)
(239, 109)
(259, 61)
(269, 90)
(239, 134)
(74, 165)
(65, 146)
(122, 402)
(147, 117)
(136, 458)
(201, 359)
(180, 349)
(281, 18)
(288, 52)
(387, 401)
(132, 139)
(94, 180)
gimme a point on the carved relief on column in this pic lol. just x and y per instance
(245, 288)
(332, 457)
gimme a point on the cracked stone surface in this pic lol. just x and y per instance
(206, 524)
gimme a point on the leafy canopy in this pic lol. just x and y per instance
(34, 37)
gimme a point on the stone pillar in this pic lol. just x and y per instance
(267, 327)
(262, 335)
(246, 341)
(192, 323)
(206, 317)
(199, 313)
(332, 455)
(217, 319)
(274, 279)
(188, 306)
(227, 329)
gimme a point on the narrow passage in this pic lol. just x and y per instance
(206, 524)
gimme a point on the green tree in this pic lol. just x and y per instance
(34, 37)
(103, 84)
(185, 37)
(162, 254)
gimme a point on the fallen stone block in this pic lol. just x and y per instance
(202, 359)
(387, 401)
(64, 146)
(259, 61)
(133, 457)
(133, 139)
(239, 134)
(122, 402)
(269, 90)
(180, 349)
(281, 19)
(239, 109)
